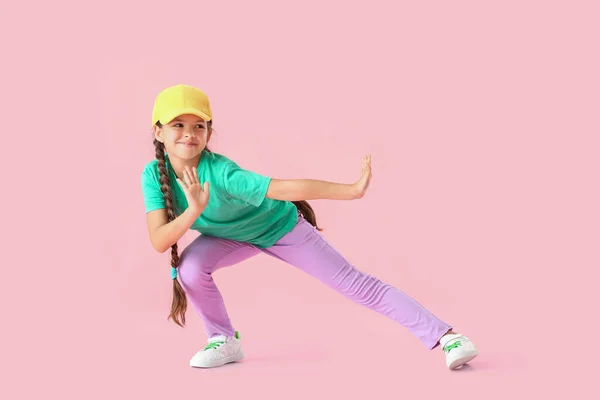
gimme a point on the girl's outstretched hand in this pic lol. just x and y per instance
(197, 197)
(363, 183)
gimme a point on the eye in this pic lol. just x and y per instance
(177, 125)
(200, 126)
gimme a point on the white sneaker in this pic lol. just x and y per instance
(221, 350)
(459, 350)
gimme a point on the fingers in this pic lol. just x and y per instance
(187, 176)
(195, 175)
(190, 175)
(367, 163)
(190, 178)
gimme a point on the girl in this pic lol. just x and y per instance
(239, 214)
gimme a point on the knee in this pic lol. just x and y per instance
(194, 269)
(362, 287)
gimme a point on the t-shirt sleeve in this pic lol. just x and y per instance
(153, 197)
(246, 185)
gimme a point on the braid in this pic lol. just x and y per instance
(307, 211)
(179, 304)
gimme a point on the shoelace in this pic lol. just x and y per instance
(213, 345)
(455, 343)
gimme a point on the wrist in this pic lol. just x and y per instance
(194, 212)
(353, 191)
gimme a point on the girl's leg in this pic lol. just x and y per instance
(304, 247)
(198, 261)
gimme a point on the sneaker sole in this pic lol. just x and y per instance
(221, 362)
(462, 361)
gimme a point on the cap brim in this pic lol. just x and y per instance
(165, 119)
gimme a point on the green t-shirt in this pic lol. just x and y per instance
(237, 208)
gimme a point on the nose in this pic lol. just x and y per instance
(189, 132)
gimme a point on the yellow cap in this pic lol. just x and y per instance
(178, 100)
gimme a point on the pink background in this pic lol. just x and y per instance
(482, 119)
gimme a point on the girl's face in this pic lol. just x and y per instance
(185, 137)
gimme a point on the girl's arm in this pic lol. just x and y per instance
(309, 189)
(165, 234)
(312, 189)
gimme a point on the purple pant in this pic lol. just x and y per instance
(305, 248)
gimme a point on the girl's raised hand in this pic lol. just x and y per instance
(197, 196)
(363, 183)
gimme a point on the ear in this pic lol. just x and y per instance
(208, 135)
(158, 134)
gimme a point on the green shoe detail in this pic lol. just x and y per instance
(237, 335)
(213, 345)
(454, 345)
